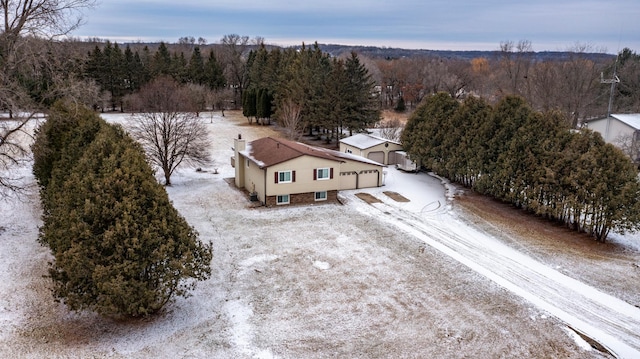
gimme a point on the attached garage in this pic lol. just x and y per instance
(348, 180)
(368, 178)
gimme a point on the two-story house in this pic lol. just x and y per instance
(276, 171)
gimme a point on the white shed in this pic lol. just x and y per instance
(621, 130)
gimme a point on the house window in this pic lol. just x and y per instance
(322, 173)
(285, 176)
(282, 199)
(321, 196)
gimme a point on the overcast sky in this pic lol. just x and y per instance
(610, 25)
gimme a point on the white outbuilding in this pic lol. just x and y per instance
(621, 130)
(372, 147)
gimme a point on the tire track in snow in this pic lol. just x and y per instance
(610, 321)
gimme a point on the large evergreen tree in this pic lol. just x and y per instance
(249, 104)
(136, 73)
(363, 110)
(426, 129)
(120, 247)
(214, 77)
(59, 143)
(161, 61)
(196, 71)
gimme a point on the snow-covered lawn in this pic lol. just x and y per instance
(393, 279)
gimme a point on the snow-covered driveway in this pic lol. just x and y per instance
(611, 322)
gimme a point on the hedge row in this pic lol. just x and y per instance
(120, 247)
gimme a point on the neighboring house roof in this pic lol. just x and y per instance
(269, 151)
(632, 119)
(364, 141)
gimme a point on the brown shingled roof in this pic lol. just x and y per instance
(270, 151)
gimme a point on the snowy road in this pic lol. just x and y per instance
(611, 322)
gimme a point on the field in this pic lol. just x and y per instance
(355, 280)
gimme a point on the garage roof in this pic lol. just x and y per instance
(364, 141)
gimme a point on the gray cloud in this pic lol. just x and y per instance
(549, 25)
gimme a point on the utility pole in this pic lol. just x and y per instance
(613, 81)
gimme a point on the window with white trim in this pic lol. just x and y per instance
(323, 173)
(321, 196)
(285, 176)
(282, 199)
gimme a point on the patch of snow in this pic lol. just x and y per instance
(578, 339)
(322, 265)
(364, 141)
(239, 315)
(258, 259)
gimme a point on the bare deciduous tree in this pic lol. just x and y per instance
(630, 145)
(580, 85)
(290, 119)
(232, 54)
(515, 62)
(24, 23)
(390, 129)
(169, 130)
(14, 138)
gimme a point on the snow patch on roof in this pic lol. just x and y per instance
(350, 157)
(632, 119)
(364, 141)
(247, 153)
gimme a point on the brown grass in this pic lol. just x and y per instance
(396, 196)
(368, 198)
(608, 266)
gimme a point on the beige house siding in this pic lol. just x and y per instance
(304, 182)
(254, 179)
(239, 162)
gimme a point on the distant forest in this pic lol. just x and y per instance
(106, 75)
(391, 53)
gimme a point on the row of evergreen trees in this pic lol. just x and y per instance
(120, 247)
(122, 73)
(529, 159)
(334, 94)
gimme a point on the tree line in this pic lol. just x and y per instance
(123, 73)
(570, 83)
(528, 158)
(120, 247)
(327, 95)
